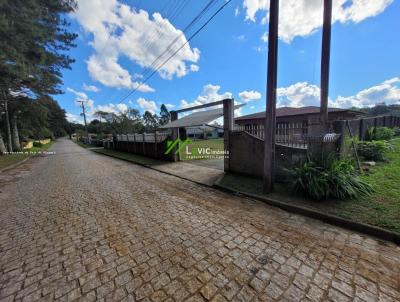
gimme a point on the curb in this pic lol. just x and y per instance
(154, 169)
(327, 218)
(12, 166)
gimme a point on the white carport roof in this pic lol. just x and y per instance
(199, 118)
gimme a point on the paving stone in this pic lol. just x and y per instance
(193, 285)
(245, 294)
(208, 291)
(145, 291)
(91, 284)
(105, 230)
(106, 288)
(315, 293)
(273, 291)
(123, 278)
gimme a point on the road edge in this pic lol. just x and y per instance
(334, 220)
(14, 165)
(327, 218)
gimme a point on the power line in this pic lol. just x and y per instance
(169, 58)
(171, 9)
(187, 28)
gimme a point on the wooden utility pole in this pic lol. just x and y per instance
(325, 60)
(270, 118)
(84, 119)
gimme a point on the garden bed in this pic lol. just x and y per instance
(381, 209)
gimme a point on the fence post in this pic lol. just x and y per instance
(361, 130)
(115, 142)
(144, 147)
(228, 127)
(155, 143)
(174, 117)
(340, 128)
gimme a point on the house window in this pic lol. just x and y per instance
(304, 125)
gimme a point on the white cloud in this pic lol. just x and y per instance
(210, 93)
(91, 88)
(387, 92)
(112, 108)
(146, 105)
(121, 31)
(241, 38)
(300, 18)
(137, 76)
(305, 94)
(194, 67)
(108, 72)
(169, 106)
(82, 97)
(298, 95)
(264, 37)
(248, 96)
(260, 48)
(237, 11)
(73, 118)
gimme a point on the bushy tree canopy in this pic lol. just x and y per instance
(34, 38)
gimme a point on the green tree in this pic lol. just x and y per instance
(34, 40)
(128, 121)
(56, 118)
(165, 116)
(151, 121)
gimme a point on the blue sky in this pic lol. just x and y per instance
(117, 43)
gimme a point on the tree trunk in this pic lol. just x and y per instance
(15, 135)
(9, 139)
(2, 146)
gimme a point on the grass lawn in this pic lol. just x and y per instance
(10, 159)
(382, 209)
(216, 144)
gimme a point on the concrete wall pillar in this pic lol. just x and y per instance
(175, 135)
(340, 128)
(316, 129)
(228, 111)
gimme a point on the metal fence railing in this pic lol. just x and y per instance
(142, 137)
(288, 134)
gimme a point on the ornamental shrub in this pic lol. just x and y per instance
(374, 150)
(379, 133)
(328, 178)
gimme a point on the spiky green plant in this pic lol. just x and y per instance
(379, 133)
(327, 178)
(374, 150)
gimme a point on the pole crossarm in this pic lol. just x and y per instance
(200, 106)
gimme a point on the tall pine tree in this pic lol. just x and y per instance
(34, 40)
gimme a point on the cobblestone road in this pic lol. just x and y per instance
(77, 225)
